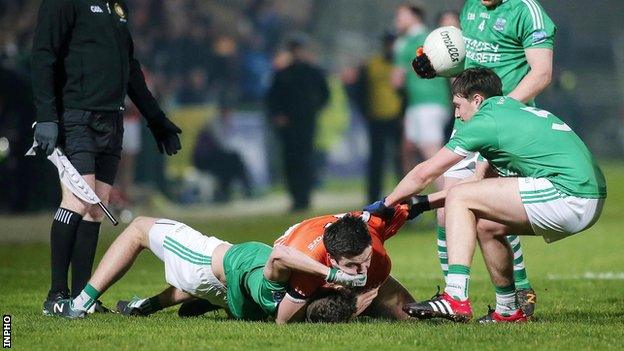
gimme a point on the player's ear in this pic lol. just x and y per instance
(478, 99)
(331, 260)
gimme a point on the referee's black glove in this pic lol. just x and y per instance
(417, 205)
(166, 135)
(46, 135)
(422, 66)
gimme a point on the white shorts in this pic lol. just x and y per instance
(424, 123)
(464, 168)
(553, 214)
(187, 257)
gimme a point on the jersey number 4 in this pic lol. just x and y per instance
(544, 114)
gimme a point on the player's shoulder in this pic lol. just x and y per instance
(498, 107)
(530, 8)
(489, 110)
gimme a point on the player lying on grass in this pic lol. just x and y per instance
(351, 242)
(558, 190)
(248, 280)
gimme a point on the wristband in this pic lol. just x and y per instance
(331, 275)
(419, 203)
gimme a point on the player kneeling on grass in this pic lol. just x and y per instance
(249, 280)
(559, 190)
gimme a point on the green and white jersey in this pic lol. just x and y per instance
(250, 296)
(496, 38)
(530, 143)
(419, 91)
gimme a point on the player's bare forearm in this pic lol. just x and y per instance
(538, 78)
(422, 175)
(284, 260)
(413, 183)
(437, 200)
(290, 312)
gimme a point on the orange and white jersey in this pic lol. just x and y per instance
(307, 237)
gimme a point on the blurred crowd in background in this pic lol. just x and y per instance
(221, 55)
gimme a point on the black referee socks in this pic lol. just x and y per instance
(83, 254)
(62, 237)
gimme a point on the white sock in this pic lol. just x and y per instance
(86, 299)
(506, 301)
(457, 281)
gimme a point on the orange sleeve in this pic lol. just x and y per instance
(307, 237)
(388, 228)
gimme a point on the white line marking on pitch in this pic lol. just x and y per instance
(587, 276)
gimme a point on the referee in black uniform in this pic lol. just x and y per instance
(83, 66)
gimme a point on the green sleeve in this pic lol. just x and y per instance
(265, 293)
(477, 134)
(271, 295)
(536, 29)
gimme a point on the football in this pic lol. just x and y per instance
(446, 50)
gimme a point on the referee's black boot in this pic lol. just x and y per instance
(52, 299)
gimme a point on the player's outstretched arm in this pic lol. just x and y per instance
(423, 174)
(436, 200)
(538, 78)
(284, 260)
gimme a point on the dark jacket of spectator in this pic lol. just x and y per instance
(298, 92)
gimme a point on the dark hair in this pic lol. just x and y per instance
(416, 10)
(331, 306)
(347, 237)
(477, 80)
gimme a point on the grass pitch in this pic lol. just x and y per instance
(579, 282)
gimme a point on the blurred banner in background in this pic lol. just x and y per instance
(212, 61)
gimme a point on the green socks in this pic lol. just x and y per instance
(520, 274)
(442, 255)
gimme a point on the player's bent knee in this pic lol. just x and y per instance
(143, 224)
(455, 194)
(488, 229)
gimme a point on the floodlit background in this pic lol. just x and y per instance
(210, 63)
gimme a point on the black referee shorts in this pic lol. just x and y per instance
(92, 142)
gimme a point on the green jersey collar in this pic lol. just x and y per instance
(490, 100)
(495, 7)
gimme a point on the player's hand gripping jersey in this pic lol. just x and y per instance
(307, 237)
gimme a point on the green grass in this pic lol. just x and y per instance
(574, 311)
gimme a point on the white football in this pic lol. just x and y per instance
(446, 50)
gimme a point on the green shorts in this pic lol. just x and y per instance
(250, 296)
